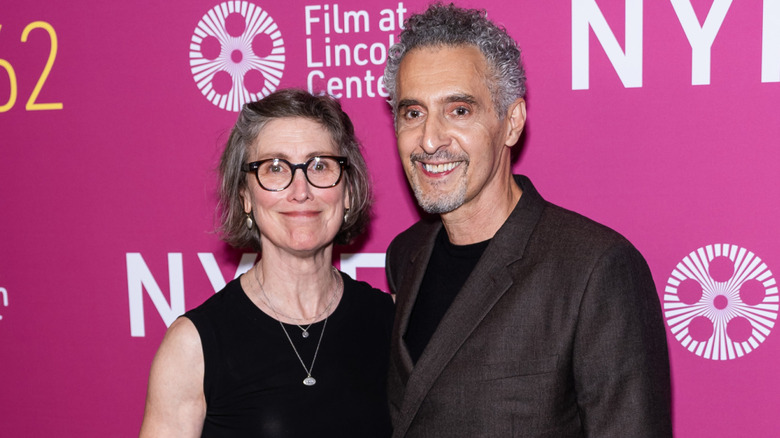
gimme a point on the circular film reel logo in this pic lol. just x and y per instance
(721, 302)
(236, 54)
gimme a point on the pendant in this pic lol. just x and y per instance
(309, 381)
(305, 334)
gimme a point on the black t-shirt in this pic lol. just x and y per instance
(449, 267)
(254, 381)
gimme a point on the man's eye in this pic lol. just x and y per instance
(461, 111)
(412, 114)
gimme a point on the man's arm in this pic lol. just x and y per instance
(390, 264)
(620, 358)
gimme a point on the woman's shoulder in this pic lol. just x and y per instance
(364, 292)
(224, 300)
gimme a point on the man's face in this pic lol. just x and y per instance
(450, 139)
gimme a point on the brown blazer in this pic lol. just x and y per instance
(557, 333)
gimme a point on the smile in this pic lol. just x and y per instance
(440, 168)
(301, 214)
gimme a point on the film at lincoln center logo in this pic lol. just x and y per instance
(721, 302)
(236, 54)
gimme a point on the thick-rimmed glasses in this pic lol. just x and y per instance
(276, 174)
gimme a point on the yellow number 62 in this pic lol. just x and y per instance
(32, 105)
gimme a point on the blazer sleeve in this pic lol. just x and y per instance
(391, 266)
(620, 357)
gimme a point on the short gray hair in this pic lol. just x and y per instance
(450, 25)
(289, 103)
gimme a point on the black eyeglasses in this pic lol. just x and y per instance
(276, 174)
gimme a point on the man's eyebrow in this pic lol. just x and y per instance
(403, 103)
(453, 98)
(465, 98)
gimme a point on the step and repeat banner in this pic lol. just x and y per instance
(657, 118)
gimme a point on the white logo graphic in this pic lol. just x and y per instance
(721, 302)
(236, 54)
(5, 298)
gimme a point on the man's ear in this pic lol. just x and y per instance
(515, 121)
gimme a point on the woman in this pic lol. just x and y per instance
(293, 347)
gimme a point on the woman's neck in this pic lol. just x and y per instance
(295, 291)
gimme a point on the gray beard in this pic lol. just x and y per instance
(437, 203)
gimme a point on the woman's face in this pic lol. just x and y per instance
(301, 219)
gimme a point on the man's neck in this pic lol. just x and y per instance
(479, 221)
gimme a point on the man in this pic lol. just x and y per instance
(514, 317)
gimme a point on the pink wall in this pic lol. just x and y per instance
(108, 202)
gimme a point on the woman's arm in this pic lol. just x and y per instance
(175, 403)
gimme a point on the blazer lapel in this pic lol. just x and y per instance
(418, 261)
(487, 283)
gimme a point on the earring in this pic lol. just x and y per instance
(346, 214)
(249, 222)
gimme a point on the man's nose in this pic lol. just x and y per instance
(434, 134)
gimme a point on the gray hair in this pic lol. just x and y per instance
(289, 103)
(450, 25)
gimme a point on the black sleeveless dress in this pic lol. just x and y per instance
(254, 380)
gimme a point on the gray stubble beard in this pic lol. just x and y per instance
(438, 203)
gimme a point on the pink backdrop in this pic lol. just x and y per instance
(658, 118)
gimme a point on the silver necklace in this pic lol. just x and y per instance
(304, 330)
(309, 380)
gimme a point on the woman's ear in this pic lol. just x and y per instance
(246, 202)
(347, 198)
